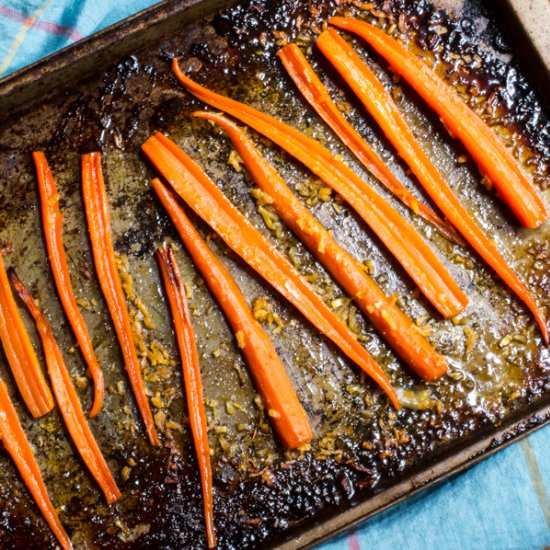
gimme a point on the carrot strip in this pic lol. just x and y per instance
(289, 419)
(491, 155)
(99, 225)
(317, 95)
(208, 202)
(380, 104)
(192, 378)
(394, 326)
(52, 220)
(17, 445)
(21, 357)
(399, 236)
(67, 398)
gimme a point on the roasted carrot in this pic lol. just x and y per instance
(67, 398)
(99, 226)
(317, 95)
(491, 155)
(21, 357)
(175, 291)
(399, 236)
(381, 106)
(52, 221)
(288, 417)
(17, 445)
(394, 326)
(208, 202)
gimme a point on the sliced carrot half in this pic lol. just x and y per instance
(394, 326)
(288, 418)
(52, 222)
(185, 337)
(18, 447)
(99, 226)
(491, 155)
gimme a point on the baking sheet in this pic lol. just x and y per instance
(110, 94)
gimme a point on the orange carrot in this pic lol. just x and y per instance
(21, 357)
(67, 398)
(396, 328)
(491, 155)
(52, 220)
(175, 291)
(288, 418)
(399, 236)
(317, 95)
(99, 225)
(381, 106)
(204, 197)
(20, 450)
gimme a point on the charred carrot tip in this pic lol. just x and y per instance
(67, 398)
(53, 233)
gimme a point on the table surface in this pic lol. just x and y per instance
(502, 503)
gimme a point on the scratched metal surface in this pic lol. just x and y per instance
(498, 368)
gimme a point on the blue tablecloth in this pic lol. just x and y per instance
(502, 503)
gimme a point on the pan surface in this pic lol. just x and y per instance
(110, 93)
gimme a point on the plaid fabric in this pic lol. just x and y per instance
(502, 503)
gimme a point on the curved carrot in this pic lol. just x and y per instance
(289, 419)
(175, 291)
(21, 357)
(67, 398)
(204, 197)
(381, 106)
(394, 326)
(52, 220)
(17, 445)
(399, 236)
(317, 95)
(493, 158)
(99, 225)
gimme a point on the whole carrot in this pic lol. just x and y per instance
(287, 417)
(21, 357)
(398, 236)
(204, 197)
(18, 447)
(493, 158)
(395, 327)
(99, 226)
(67, 398)
(381, 106)
(52, 221)
(317, 95)
(175, 291)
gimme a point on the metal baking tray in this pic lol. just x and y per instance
(108, 93)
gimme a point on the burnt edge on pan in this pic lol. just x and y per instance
(265, 503)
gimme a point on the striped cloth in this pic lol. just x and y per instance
(502, 503)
